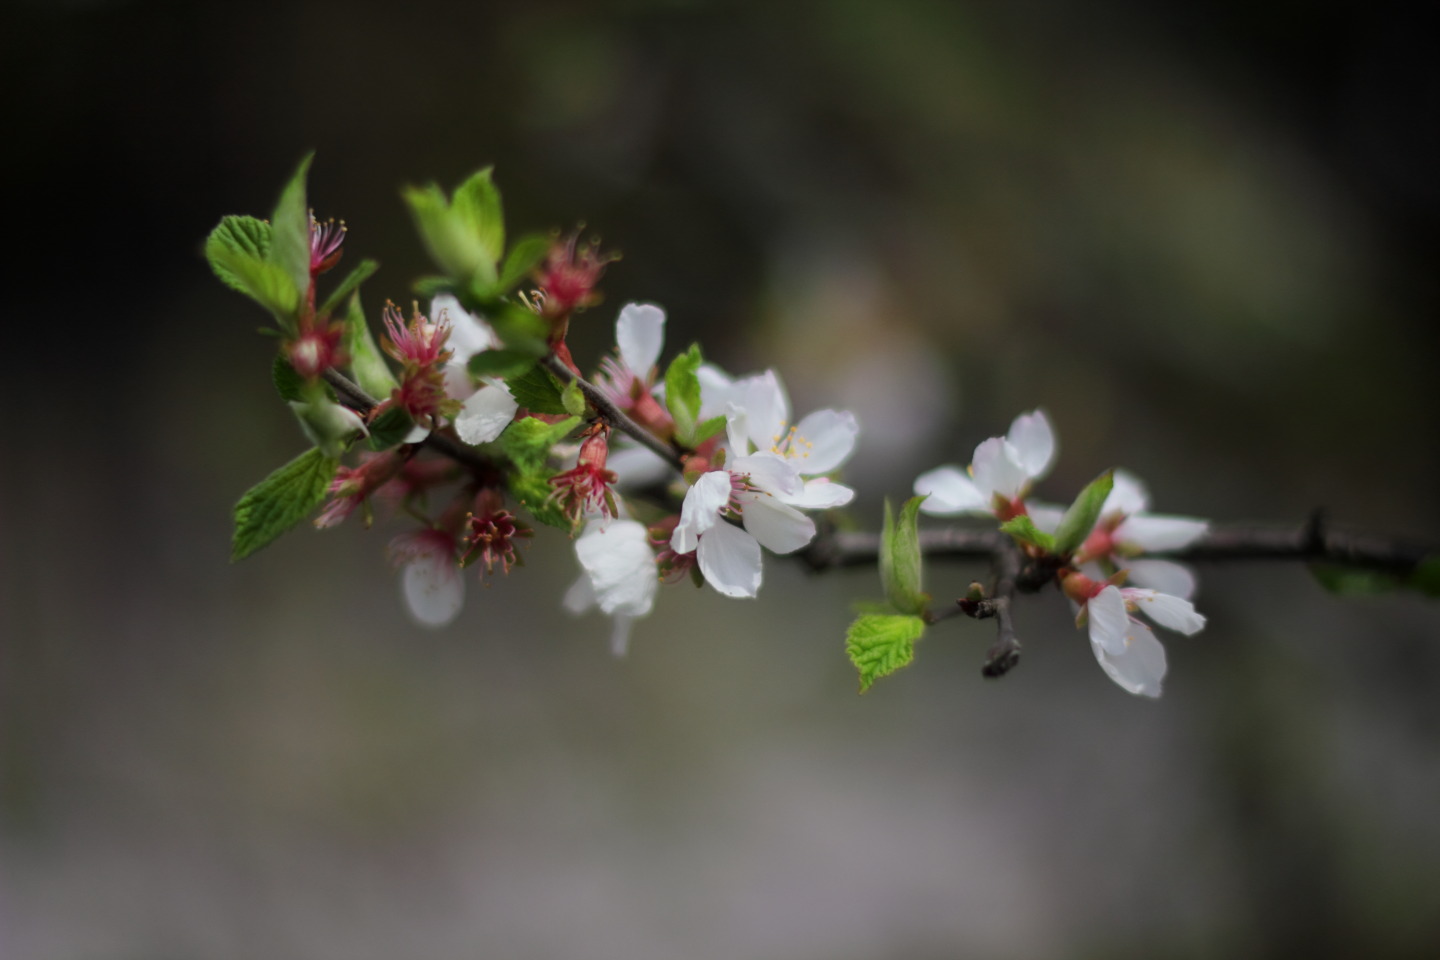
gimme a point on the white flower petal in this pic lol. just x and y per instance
(1034, 442)
(640, 333)
(1139, 668)
(701, 510)
(637, 466)
(621, 566)
(950, 492)
(1155, 532)
(730, 560)
(1172, 612)
(716, 391)
(580, 597)
(997, 469)
(416, 434)
(1109, 621)
(779, 528)
(1167, 576)
(769, 472)
(820, 494)
(1045, 517)
(486, 414)
(766, 407)
(433, 588)
(737, 429)
(824, 440)
(469, 334)
(620, 635)
(1127, 496)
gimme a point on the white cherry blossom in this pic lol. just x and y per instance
(1125, 647)
(1001, 471)
(431, 581)
(620, 575)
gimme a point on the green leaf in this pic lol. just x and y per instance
(1362, 582)
(682, 394)
(573, 399)
(389, 429)
(242, 237)
(501, 363)
(280, 501)
(290, 225)
(477, 208)
(900, 565)
(466, 236)
(527, 442)
(708, 429)
(366, 363)
(538, 391)
(523, 257)
(359, 275)
(1080, 519)
(880, 644)
(238, 250)
(519, 329)
(1426, 577)
(532, 491)
(1354, 581)
(1023, 529)
(289, 384)
(327, 424)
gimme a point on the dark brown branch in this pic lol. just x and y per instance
(616, 417)
(358, 400)
(1311, 542)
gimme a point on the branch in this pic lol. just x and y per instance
(617, 417)
(357, 399)
(1312, 542)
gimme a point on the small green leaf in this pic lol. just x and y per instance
(682, 394)
(880, 644)
(708, 429)
(290, 225)
(527, 442)
(532, 491)
(538, 391)
(500, 363)
(366, 363)
(238, 251)
(1023, 529)
(1083, 514)
(327, 424)
(901, 570)
(242, 237)
(523, 257)
(280, 501)
(359, 275)
(573, 399)
(519, 329)
(289, 384)
(1354, 581)
(478, 210)
(455, 248)
(389, 429)
(1426, 577)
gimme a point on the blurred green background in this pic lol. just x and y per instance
(1202, 235)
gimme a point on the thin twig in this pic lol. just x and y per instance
(617, 417)
(351, 394)
(1310, 542)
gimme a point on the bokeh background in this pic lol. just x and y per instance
(1202, 235)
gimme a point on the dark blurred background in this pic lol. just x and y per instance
(1203, 236)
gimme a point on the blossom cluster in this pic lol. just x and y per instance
(998, 482)
(481, 425)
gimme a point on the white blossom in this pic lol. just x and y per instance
(1002, 469)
